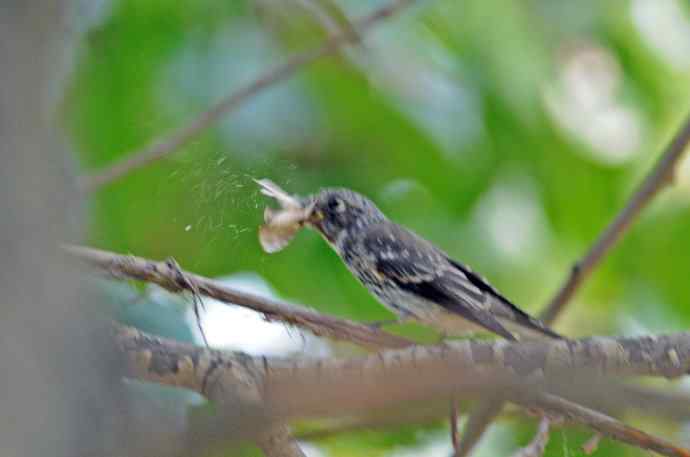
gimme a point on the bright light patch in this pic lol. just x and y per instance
(584, 101)
(683, 171)
(238, 328)
(426, 82)
(399, 189)
(311, 450)
(665, 26)
(510, 216)
(497, 441)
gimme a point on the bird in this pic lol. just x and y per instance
(408, 274)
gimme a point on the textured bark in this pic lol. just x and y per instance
(167, 275)
(280, 443)
(468, 368)
(258, 388)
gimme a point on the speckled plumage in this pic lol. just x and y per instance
(411, 276)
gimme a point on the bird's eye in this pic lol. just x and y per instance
(336, 204)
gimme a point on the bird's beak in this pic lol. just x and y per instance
(313, 215)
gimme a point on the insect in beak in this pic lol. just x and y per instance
(282, 224)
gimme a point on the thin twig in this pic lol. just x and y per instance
(538, 444)
(660, 176)
(454, 434)
(607, 425)
(175, 279)
(479, 419)
(592, 444)
(166, 145)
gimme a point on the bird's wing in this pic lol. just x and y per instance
(419, 268)
(501, 306)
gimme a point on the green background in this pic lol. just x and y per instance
(509, 133)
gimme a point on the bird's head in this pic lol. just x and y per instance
(333, 212)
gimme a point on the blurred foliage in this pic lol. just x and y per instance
(509, 133)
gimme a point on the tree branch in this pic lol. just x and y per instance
(608, 425)
(478, 421)
(256, 388)
(181, 365)
(194, 377)
(168, 275)
(280, 443)
(166, 145)
(657, 178)
(538, 444)
(661, 175)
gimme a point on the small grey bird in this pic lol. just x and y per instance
(408, 274)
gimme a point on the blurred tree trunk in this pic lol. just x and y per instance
(59, 391)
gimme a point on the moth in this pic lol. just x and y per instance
(280, 225)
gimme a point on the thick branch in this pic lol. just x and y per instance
(181, 365)
(183, 135)
(263, 387)
(468, 367)
(168, 276)
(195, 375)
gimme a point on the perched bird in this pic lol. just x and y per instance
(407, 274)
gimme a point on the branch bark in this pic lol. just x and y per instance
(183, 135)
(256, 388)
(168, 275)
(538, 444)
(665, 358)
(278, 441)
